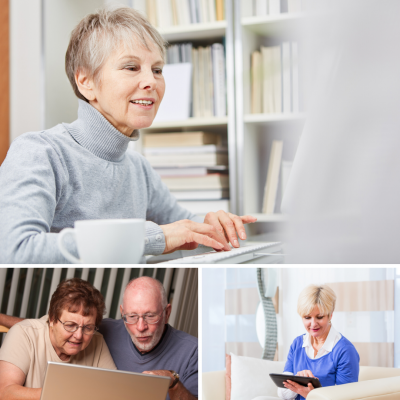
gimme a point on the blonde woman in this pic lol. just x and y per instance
(322, 352)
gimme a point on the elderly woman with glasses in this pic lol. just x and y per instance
(68, 334)
(82, 170)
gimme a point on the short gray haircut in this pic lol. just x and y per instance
(95, 38)
(159, 286)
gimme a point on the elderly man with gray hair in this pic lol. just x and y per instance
(143, 341)
(83, 171)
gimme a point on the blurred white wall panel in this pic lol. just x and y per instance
(26, 86)
(61, 17)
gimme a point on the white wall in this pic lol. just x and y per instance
(40, 93)
(26, 80)
(61, 17)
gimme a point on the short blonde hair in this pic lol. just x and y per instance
(99, 34)
(322, 296)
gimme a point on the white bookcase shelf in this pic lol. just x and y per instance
(194, 31)
(273, 118)
(273, 26)
(189, 123)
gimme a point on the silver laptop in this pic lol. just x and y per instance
(68, 381)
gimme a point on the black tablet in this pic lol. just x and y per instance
(301, 380)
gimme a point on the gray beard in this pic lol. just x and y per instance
(153, 342)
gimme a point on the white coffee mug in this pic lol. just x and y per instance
(106, 241)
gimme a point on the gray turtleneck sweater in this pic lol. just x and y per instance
(71, 172)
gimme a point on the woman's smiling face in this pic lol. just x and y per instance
(130, 88)
(317, 325)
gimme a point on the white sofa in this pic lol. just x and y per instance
(375, 383)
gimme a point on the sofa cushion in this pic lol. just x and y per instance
(250, 377)
(371, 373)
(380, 389)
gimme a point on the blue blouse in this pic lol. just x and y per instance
(338, 367)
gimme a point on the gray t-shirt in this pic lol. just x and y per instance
(71, 172)
(176, 351)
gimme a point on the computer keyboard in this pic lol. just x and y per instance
(243, 254)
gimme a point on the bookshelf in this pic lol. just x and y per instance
(255, 132)
(249, 135)
(204, 34)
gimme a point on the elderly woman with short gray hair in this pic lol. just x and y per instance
(82, 170)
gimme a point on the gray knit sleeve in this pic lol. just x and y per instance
(31, 181)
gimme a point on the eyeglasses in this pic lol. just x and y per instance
(70, 326)
(147, 318)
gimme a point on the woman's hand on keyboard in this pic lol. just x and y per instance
(187, 235)
(227, 225)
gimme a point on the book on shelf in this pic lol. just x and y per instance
(261, 7)
(206, 182)
(250, 8)
(167, 13)
(295, 78)
(189, 171)
(275, 79)
(188, 160)
(181, 139)
(256, 82)
(271, 185)
(205, 206)
(176, 103)
(208, 80)
(212, 194)
(185, 149)
(206, 149)
(286, 78)
(275, 7)
(218, 71)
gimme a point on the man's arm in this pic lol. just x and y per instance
(8, 321)
(178, 392)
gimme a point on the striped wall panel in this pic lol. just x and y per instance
(26, 292)
(375, 354)
(364, 296)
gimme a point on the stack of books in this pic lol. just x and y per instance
(251, 8)
(275, 79)
(208, 76)
(194, 166)
(167, 13)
